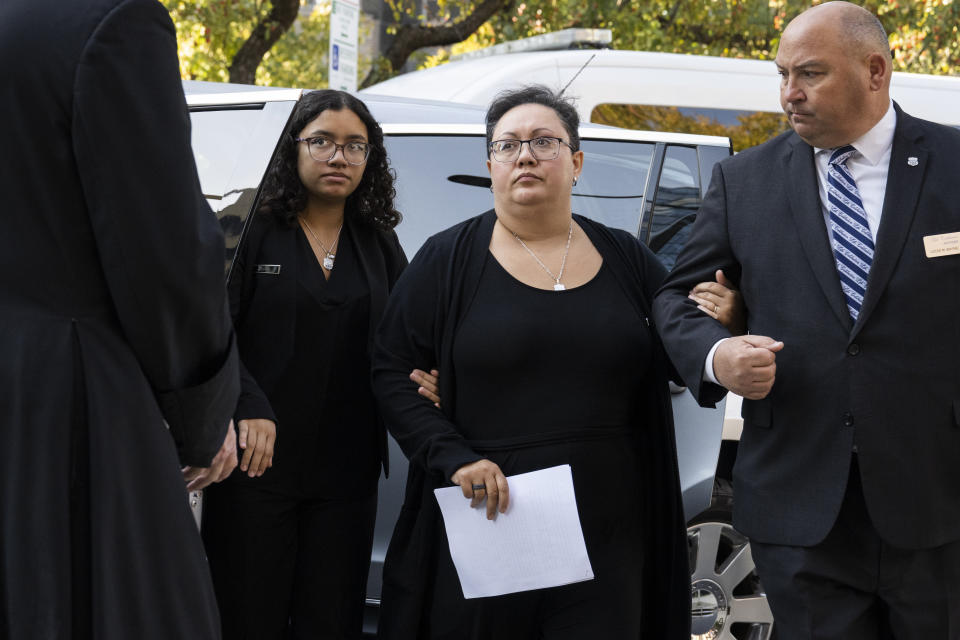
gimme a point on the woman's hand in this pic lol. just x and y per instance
(483, 480)
(220, 467)
(429, 384)
(256, 439)
(721, 301)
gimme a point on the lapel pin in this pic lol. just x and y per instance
(912, 161)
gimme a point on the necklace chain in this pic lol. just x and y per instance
(557, 286)
(329, 255)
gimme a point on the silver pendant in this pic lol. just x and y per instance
(328, 262)
(559, 287)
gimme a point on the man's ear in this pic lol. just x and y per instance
(879, 67)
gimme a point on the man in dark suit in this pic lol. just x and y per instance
(113, 322)
(847, 478)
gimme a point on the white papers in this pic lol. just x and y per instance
(537, 543)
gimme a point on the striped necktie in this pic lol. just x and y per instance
(852, 243)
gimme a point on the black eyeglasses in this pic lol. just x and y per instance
(323, 149)
(542, 148)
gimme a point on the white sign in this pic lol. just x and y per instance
(344, 29)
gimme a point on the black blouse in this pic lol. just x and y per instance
(304, 344)
(327, 434)
(531, 361)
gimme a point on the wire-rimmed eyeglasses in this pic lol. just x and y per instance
(542, 148)
(323, 149)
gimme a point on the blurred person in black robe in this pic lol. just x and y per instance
(117, 363)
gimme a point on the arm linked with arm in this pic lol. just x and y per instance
(407, 340)
(253, 402)
(689, 334)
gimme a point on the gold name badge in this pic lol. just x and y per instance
(945, 244)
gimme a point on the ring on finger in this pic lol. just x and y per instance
(479, 487)
(716, 308)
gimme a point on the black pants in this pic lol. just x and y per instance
(288, 567)
(855, 586)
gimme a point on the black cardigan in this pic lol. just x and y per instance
(418, 330)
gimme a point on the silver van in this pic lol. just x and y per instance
(649, 184)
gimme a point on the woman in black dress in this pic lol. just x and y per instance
(289, 534)
(539, 320)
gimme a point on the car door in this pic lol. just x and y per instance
(233, 144)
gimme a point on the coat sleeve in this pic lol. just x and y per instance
(646, 274)
(653, 276)
(687, 333)
(253, 402)
(406, 340)
(160, 245)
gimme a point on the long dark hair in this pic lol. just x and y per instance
(371, 203)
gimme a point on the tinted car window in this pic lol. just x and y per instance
(676, 204)
(610, 189)
(441, 180)
(744, 127)
(233, 147)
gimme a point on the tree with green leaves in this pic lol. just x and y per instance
(271, 42)
(264, 42)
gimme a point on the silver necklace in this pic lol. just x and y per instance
(329, 255)
(563, 262)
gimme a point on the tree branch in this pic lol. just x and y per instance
(411, 37)
(270, 28)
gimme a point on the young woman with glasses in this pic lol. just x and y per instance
(539, 320)
(289, 534)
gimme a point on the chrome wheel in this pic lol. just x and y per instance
(728, 602)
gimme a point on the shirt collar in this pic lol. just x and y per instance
(874, 144)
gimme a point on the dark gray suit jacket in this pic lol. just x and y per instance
(889, 384)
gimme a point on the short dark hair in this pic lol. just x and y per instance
(371, 203)
(535, 94)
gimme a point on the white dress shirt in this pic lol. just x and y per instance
(869, 167)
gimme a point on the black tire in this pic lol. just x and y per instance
(728, 601)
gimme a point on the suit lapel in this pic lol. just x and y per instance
(904, 180)
(808, 218)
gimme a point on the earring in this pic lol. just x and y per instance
(575, 180)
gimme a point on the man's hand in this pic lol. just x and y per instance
(747, 365)
(483, 480)
(222, 466)
(429, 384)
(257, 437)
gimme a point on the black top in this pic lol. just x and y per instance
(304, 345)
(527, 358)
(322, 399)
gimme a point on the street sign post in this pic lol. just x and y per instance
(344, 29)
